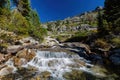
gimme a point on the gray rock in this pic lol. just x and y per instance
(115, 58)
(14, 48)
(28, 40)
(6, 70)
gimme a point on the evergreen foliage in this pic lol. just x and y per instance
(23, 6)
(112, 14)
(22, 21)
(34, 18)
(4, 7)
(100, 22)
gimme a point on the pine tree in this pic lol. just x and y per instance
(100, 22)
(23, 7)
(15, 2)
(4, 7)
(112, 14)
(34, 18)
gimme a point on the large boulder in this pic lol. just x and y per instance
(77, 45)
(86, 48)
(28, 41)
(4, 58)
(26, 53)
(115, 56)
(23, 56)
(6, 70)
(14, 48)
(19, 61)
(48, 41)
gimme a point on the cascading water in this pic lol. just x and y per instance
(57, 63)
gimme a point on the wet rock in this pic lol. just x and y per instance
(19, 61)
(45, 74)
(115, 58)
(80, 63)
(21, 74)
(50, 41)
(96, 59)
(86, 48)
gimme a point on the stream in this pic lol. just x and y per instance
(50, 65)
(58, 64)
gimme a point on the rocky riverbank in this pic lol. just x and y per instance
(15, 58)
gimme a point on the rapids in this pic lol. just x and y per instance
(57, 63)
(53, 65)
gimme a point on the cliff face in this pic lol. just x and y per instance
(85, 21)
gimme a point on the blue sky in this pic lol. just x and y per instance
(51, 10)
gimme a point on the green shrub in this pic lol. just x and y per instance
(116, 42)
(78, 37)
(38, 33)
(101, 43)
(21, 26)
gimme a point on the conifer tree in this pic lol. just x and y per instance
(112, 14)
(23, 6)
(34, 18)
(100, 21)
(4, 7)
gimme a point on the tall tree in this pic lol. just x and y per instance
(15, 2)
(100, 21)
(4, 7)
(34, 18)
(112, 14)
(23, 6)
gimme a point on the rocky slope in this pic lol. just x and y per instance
(85, 21)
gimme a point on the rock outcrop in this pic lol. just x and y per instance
(17, 61)
(23, 56)
(6, 70)
(85, 21)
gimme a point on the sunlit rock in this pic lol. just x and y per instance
(6, 70)
(14, 48)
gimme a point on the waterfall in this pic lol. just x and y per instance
(57, 63)
(11, 64)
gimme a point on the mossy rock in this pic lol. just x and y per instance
(45, 74)
(80, 75)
